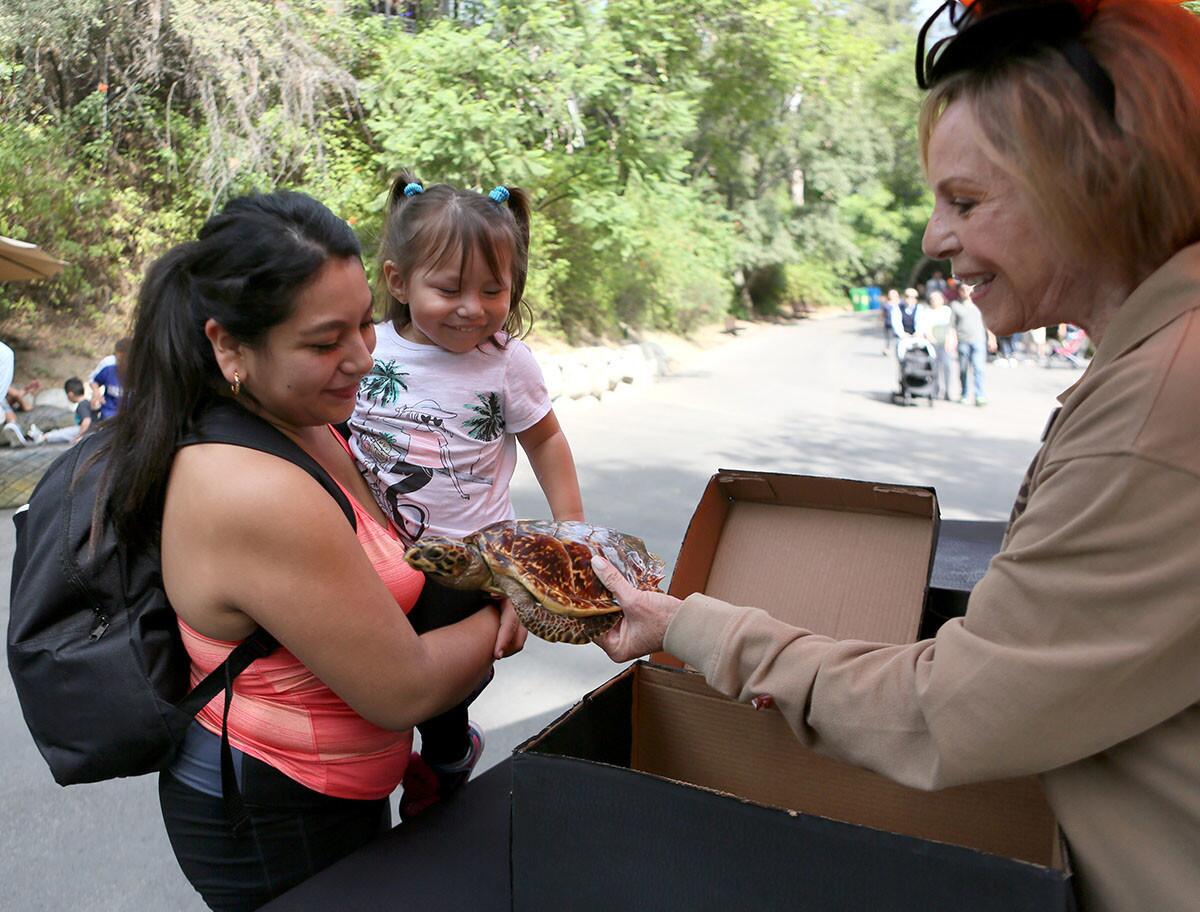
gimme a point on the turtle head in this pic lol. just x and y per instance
(450, 562)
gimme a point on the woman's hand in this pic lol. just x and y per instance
(647, 614)
(511, 638)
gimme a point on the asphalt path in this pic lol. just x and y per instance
(811, 397)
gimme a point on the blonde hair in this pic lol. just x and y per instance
(1126, 194)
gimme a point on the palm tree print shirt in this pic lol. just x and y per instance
(434, 432)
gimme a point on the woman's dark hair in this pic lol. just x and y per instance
(427, 228)
(244, 270)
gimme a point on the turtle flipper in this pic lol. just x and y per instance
(553, 628)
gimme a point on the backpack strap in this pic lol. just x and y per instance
(228, 422)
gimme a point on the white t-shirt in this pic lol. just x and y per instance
(433, 432)
(937, 323)
(8, 366)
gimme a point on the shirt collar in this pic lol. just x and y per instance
(1169, 292)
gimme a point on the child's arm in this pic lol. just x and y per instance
(550, 456)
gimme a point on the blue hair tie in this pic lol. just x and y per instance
(499, 195)
(413, 189)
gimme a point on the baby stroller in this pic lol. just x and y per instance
(1070, 349)
(918, 372)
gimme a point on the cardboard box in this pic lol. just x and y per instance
(656, 792)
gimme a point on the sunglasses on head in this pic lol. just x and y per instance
(985, 33)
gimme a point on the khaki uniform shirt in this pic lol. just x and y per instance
(1079, 655)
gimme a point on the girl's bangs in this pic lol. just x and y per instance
(464, 233)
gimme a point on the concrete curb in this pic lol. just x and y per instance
(597, 371)
(578, 373)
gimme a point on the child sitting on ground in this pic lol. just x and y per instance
(83, 417)
(438, 419)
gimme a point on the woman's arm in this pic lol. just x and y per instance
(1083, 633)
(550, 456)
(268, 546)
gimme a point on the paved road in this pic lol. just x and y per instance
(810, 397)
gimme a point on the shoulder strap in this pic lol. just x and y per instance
(256, 646)
(227, 422)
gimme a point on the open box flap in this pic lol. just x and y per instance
(669, 724)
(683, 730)
(846, 559)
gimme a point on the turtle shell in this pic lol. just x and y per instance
(552, 560)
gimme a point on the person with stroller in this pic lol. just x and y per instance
(908, 317)
(916, 359)
(1059, 140)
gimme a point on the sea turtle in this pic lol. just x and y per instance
(545, 568)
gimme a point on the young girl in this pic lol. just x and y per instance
(451, 393)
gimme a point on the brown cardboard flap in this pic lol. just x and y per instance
(846, 559)
(684, 730)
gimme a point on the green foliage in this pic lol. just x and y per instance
(66, 206)
(551, 97)
(810, 286)
(683, 156)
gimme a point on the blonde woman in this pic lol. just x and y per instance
(1060, 142)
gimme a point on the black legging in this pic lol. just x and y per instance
(444, 738)
(293, 833)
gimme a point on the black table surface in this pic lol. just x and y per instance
(455, 855)
(964, 549)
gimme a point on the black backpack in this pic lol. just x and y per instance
(93, 644)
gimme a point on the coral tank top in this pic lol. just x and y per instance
(283, 715)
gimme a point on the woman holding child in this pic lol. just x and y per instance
(1060, 141)
(269, 308)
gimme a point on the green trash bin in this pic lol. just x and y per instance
(860, 298)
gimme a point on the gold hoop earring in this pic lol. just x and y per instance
(236, 385)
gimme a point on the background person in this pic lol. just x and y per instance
(77, 396)
(11, 430)
(21, 398)
(1035, 344)
(886, 308)
(908, 319)
(937, 330)
(106, 381)
(972, 343)
(937, 283)
(1061, 152)
(269, 307)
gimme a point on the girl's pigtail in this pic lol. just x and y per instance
(518, 204)
(404, 187)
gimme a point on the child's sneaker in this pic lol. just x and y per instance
(36, 433)
(13, 434)
(425, 784)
